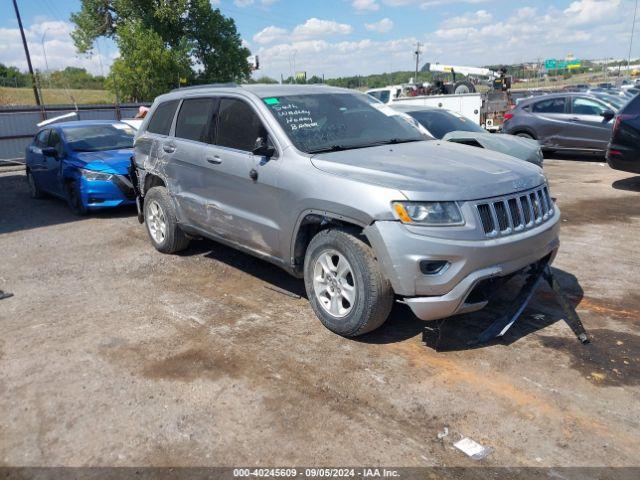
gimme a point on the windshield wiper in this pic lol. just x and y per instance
(337, 148)
(332, 148)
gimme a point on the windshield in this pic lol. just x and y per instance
(440, 122)
(337, 121)
(94, 138)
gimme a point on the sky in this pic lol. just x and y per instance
(349, 37)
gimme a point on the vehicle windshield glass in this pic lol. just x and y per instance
(617, 102)
(337, 121)
(94, 138)
(439, 122)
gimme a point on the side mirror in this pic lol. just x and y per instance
(262, 147)
(50, 152)
(608, 115)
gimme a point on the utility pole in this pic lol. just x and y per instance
(633, 26)
(417, 53)
(26, 51)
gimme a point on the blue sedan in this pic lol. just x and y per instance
(84, 162)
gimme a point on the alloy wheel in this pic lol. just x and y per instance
(334, 283)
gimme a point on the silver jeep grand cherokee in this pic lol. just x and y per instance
(358, 203)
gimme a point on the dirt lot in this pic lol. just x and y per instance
(114, 354)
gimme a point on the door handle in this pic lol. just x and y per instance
(215, 160)
(574, 119)
(169, 148)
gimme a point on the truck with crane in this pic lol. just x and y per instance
(459, 95)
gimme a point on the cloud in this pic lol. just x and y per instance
(242, 3)
(363, 5)
(584, 12)
(59, 48)
(340, 58)
(383, 26)
(269, 35)
(315, 28)
(469, 19)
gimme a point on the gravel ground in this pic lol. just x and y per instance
(113, 354)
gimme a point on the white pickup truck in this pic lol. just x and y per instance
(469, 105)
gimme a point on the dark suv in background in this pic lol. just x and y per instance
(563, 121)
(624, 148)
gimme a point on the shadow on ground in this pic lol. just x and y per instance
(21, 212)
(631, 184)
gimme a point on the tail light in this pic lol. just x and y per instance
(618, 121)
(508, 116)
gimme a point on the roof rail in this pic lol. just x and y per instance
(207, 85)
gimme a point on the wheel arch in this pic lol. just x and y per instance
(309, 223)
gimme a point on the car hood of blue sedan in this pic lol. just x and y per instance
(108, 161)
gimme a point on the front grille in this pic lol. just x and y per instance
(515, 213)
(123, 182)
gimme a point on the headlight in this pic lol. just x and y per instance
(93, 175)
(428, 213)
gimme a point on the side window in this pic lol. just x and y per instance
(162, 118)
(238, 125)
(197, 119)
(551, 105)
(586, 106)
(56, 142)
(41, 139)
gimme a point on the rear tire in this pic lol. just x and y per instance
(344, 283)
(162, 223)
(34, 189)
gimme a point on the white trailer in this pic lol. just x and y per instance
(468, 105)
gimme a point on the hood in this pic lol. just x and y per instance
(523, 148)
(433, 170)
(108, 161)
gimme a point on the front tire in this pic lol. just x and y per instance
(74, 199)
(162, 223)
(344, 284)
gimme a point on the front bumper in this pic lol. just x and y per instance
(97, 194)
(400, 252)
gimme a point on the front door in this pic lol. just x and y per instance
(52, 176)
(589, 129)
(37, 162)
(247, 197)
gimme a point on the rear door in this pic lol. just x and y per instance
(36, 160)
(153, 145)
(192, 165)
(590, 130)
(552, 121)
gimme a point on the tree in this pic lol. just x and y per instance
(145, 68)
(199, 43)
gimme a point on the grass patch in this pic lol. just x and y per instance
(53, 96)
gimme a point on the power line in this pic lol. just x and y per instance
(633, 26)
(26, 52)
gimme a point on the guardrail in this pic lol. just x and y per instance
(18, 124)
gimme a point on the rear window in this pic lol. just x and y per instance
(551, 105)
(439, 123)
(382, 95)
(196, 120)
(162, 118)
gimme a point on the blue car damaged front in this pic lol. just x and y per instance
(84, 162)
